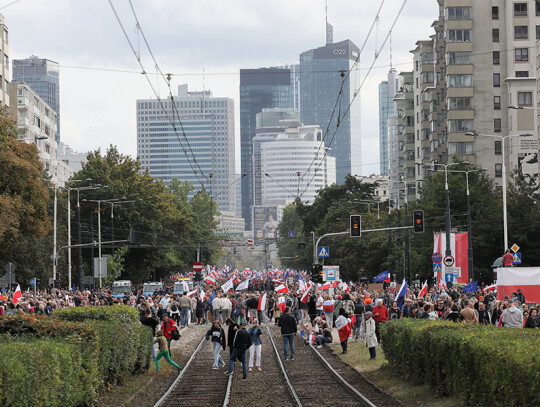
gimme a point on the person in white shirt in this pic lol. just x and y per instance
(328, 308)
(216, 308)
(319, 305)
(226, 308)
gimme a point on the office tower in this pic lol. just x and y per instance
(4, 63)
(323, 73)
(387, 90)
(287, 157)
(200, 151)
(259, 88)
(42, 75)
(481, 58)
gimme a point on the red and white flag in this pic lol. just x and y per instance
(202, 295)
(423, 291)
(490, 287)
(189, 294)
(262, 303)
(326, 285)
(442, 285)
(17, 295)
(209, 280)
(343, 285)
(281, 304)
(305, 296)
(343, 326)
(301, 285)
(281, 289)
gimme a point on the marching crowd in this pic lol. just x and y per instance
(351, 309)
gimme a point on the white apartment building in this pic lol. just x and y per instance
(36, 122)
(4, 63)
(294, 164)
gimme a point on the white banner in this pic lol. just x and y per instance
(243, 285)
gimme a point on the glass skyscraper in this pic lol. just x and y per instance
(387, 91)
(259, 88)
(208, 160)
(43, 76)
(321, 79)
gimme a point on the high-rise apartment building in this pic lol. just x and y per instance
(387, 90)
(477, 75)
(4, 63)
(259, 88)
(200, 150)
(323, 73)
(287, 157)
(43, 76)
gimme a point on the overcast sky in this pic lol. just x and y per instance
(217, 37)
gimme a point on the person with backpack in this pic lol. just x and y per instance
(174, 311)
(168, 326)
(241, 343)
(164, 351)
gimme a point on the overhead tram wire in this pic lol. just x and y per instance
(356, 92)
(340, 93)
(155, 92)
(168, 82)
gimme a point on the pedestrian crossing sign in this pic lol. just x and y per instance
(324, 251)
(437, 267)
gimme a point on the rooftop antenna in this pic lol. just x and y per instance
(329, 28)
(390, 50)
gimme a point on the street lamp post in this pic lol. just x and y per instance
(407, 247)
(121, 201)
(503, 138)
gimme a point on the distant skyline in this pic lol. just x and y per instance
(101, 79)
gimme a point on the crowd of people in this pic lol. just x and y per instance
(351, 311)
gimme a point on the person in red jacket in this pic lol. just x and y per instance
(380, 315)
(168, 326)
(508, 259)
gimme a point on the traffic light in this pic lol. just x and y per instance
(418, 221)
(301, 245)
(296, 256)
(197, 276)
(317, 273)
(356, 226)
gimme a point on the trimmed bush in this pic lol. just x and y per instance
(484, 365)
(124, 344)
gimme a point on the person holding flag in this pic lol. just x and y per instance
(343, 325)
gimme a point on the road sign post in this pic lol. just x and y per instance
(324, 251)
(448, 261)
(197, 267)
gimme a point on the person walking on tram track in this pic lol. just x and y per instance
(168, 326)
(288, 332)
(241, 343)
(256, 346)
(218, 340)
(164, 352)
(185, 306)
(231, 332)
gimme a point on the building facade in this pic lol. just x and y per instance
(36, 123)
(323, 73)
(43, 76)
(190, 139)
(4, 63)
(259, 88)
(387, 90)
(286, 160)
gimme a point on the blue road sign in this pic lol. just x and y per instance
(32, 282)
(292, 233)
(517, 258)
(437, 267)
(449, 278)
(324, 251)
(436, 257)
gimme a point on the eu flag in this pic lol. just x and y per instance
(470, 287)
(383, 277)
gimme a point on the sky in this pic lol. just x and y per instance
(203, 43)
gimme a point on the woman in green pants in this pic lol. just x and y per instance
(164, 351)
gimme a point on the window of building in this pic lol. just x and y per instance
(460, 103)
(458, 35)
(524, 98)
(498, 170)
(458, 13)
(460, 148)
(495, 13)
(497, 102)
(521, 54)
(460, 81)
(495, 35)
(496, 79)
(520, 9)
(521, 32)
(460, 125)
(427, 77)
(537, 8)
(522, 74)
(459, 58)
(497, 125)
(537, 28)
(496, 57)
(417, 83)
(498, 147)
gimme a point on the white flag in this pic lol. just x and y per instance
(243, 285)
(185, 285)
(229, 285)
(191, 293)
(202, 295)
(301, 285)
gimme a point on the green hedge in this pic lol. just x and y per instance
(484, 365)
(124, 344)
(100, 344)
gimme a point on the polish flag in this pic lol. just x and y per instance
(326, 285)
(319, 288)
(301, 285)
(490, 287)
(305, 296)
(202, 295)
(334, 284)
(209, 280)
(343, 285)
(423, 291)
(510, 279)
(343, 326)
(189, 294)
(281, 304)
(281, 289)
(17, 295)
(262, 303)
